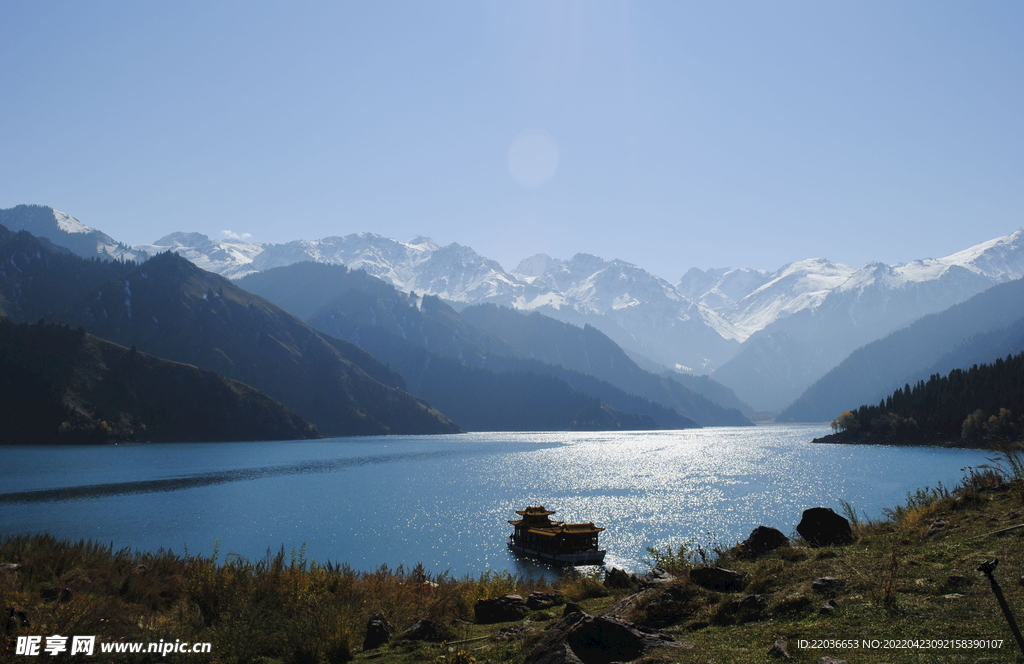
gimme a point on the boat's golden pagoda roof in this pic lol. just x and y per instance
(535, 517)
(535, 510)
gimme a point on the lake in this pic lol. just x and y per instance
(444, 501)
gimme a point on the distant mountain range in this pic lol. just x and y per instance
(171, 309)
(766, 335)
(448, 357)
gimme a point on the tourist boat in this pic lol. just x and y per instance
(537, 536)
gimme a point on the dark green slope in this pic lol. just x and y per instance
(59, 385)
(441, 355)
(589, 351)
(502, 396)
(982, 406)
(37, 278)
(170, 308)
(876, 369)
(307, 289)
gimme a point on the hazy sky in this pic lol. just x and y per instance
(669, 134)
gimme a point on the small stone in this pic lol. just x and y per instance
(827, 584)
(828, 608)
(779, 649)
(830, 660)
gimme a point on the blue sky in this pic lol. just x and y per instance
(668, 134)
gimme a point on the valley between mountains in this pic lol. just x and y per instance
(362, 334)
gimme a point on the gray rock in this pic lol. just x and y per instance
(718, 578)
(827, 584)
(426, 630)
(821, 526)
(830, 660)
(619, 578)
(506, 608)
(780, 649)
(656, 577)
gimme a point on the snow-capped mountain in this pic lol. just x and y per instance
(768, 335)
(641, 312)
(64, 230)
(229, 258)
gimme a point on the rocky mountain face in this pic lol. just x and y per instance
(978, 330)
(170, 308)
(766, 335)
(65, 231)
(462, 369)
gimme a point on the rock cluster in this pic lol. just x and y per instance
(583, 639)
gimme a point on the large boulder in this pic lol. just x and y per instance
(763, 540)
(378, 632)
(718, 579)
(506, 608)
(580, 638)
(619, 578)
(821, 526)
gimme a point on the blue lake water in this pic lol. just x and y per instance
(444, 500)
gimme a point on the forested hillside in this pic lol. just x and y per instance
(981, 406)
(60, 385)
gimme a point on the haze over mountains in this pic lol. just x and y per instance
(767, 335)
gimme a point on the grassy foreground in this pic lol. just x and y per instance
(910, 576)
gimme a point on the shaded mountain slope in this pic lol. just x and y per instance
(59, 385)
(66, 231)
(876, 369)
(355, 306)
(589, 351)
(412, 333)
(497, 392)
(170, 308)
(981, 406)
(37, 278)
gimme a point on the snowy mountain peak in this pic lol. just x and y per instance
(69, 224)
(180, 239)
(534, 266)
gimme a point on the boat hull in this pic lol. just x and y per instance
(592, 557)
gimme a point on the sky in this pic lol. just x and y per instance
(667, 134)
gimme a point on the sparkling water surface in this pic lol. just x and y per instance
(444, 501)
